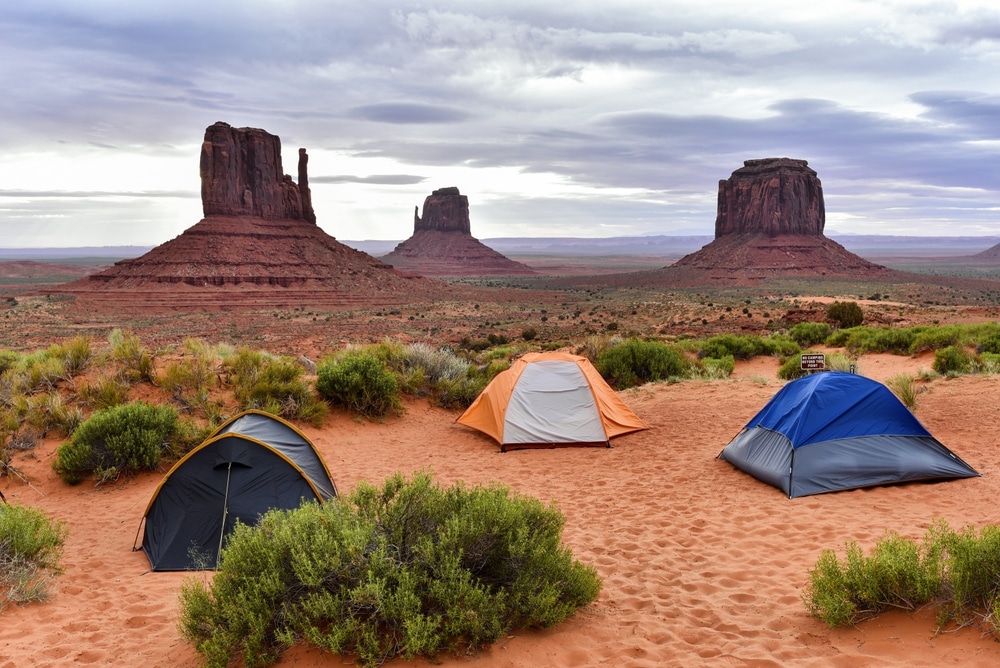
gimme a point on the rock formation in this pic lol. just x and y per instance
(771, 196)
(442, 243)
(241, 175)
(257, 244)
(770, 224)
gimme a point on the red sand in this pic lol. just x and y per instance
(702, 565)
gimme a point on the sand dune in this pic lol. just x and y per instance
(702, 565)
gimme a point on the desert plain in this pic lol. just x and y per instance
(702, 565)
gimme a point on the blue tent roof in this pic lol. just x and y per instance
(833, 405)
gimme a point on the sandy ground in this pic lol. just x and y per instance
(702, 565)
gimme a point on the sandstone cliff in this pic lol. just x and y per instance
(771, 196)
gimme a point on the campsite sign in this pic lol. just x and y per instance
(813, 362)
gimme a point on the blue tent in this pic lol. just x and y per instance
(831, 431)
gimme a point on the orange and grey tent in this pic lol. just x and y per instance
(547, 400)
(253, 463)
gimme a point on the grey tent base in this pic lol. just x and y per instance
(848, 463)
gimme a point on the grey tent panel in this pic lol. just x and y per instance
(285, 439)
(846, 463)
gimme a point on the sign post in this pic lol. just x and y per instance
(813, 362)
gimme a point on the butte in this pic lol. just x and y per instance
(442, 243)
(258, 245)
(769, 224)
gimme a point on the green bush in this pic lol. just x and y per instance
(635, 362)
(905, 387)
(961, 569)
(105, 392)
(791, 368)
(898, 574)
(462, 391)
(809, 333)
(744, 347)
(117, 441)
(952, 360)
(718, 368)
(358, 381)
(845, 314)
(272, 384)
(30, 547)
(408, 569)
(135, 361)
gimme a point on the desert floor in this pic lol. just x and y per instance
(702, 565)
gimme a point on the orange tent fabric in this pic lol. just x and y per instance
(550, 399)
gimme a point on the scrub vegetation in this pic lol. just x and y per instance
(406, 569)
(31, 545)
(958, 571)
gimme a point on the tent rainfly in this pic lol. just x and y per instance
(833, 431)
(547, 400)
(252, 463)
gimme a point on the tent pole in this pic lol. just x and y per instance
(225, 514)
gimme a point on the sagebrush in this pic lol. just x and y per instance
(406, 569)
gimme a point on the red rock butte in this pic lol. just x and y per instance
(258, 244)
(769, 224)
(442, 243)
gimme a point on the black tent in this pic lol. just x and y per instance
(253, 463)
(832, 431)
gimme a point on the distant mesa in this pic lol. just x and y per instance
(991, 254)
(442, 243)
(770, 223)
(258, 238)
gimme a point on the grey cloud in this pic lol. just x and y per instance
(407, 112)
(377, 179)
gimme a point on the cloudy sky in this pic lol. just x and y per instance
(576, 118)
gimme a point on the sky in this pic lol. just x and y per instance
(579, 119)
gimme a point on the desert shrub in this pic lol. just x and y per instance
(529, 334)
(407, 569)
(8, 360)
(859, 340)
(952, 360)
(989, 363)
(136, 362)
(31, 545)
(809, 333)
(718, 368)
(40, 372)
(117, 441)
(105, 392)
(791, 368)
(973, 569)
(744, 347)
(845, 314)
(594, 345)
(435, 363)
(272, 384)
(48, 413)
(899, 573)
(935, 338)
(462, 391)
(189, 380)
(904, 386)
(359, 382)
(989, 344)
(77, 355)
(635, 362)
